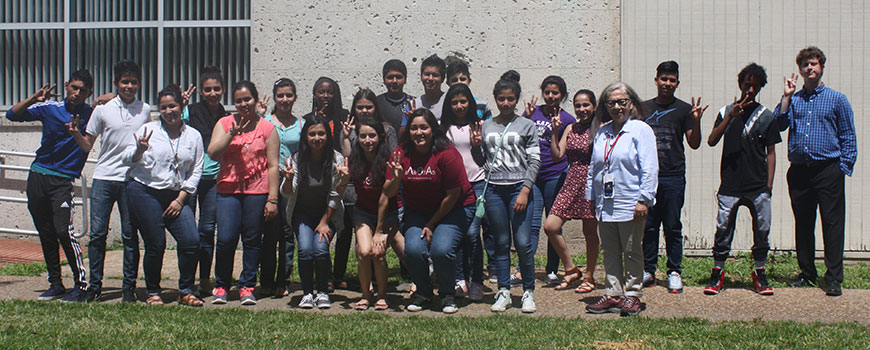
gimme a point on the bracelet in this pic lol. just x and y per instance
(273, 200)
(178, 201)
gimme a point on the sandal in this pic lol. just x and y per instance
(586, 287)
(381, 304)
(154, 300)
(361, 305)
(566, 283)
(189, 300)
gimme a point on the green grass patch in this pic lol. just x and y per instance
(24, 269)
(40, 325)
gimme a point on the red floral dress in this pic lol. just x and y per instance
(571, 201)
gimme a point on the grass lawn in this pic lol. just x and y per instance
(43, 325)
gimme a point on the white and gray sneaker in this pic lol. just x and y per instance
(502, 301)
(322, 301)
(461, 288)
(648, 279)
(529, 301)
(448, 305)
(552, 279)
(475, 293)
(675, 283)
(418, 303)
(307, 301)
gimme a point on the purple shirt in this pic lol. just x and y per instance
(550, 169)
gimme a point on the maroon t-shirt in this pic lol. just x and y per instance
(428, 176)
(368, 194)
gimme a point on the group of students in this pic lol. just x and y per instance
(421, 175)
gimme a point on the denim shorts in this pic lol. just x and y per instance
(363, 217)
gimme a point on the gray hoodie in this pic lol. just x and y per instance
(519, 156)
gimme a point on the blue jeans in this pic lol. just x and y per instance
(313, 253)
(206, 195)
(469, 256)
(239, 215)
(499, 206)
(147, 206)
(545, 195)
(669, 203)
(278, 235)
(103, 195)
(442, 248)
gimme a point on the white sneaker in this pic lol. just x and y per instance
(307, 301)
(448, 305)
(648, 279)
(516, 280)
(552, 279)
(461, 288)
(475, 293)
(322, 301)
(502, 301)
(529, 301)
(675, 283)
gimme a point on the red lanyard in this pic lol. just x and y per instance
(612, 146)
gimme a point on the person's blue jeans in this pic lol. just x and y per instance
(103, 196)
(239, 216)
(278, 238)
(504, 223)
(666, 213)
(545, 195)
(147, 206)
(313, 253)
(442, 248)
(469, 255)
(206, 197)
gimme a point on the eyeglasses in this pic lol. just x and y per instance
(621, 102)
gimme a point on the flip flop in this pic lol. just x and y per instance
(154, 300)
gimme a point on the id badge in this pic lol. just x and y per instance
(608, 186)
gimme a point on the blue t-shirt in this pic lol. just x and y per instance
(58, 154)
(289, 137)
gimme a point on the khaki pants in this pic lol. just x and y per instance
(623, 257)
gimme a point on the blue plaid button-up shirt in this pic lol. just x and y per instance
(821, 126)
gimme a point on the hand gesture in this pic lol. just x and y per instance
(263, 104)
(185, 95)
(322, 110)
(343, 172)
(103, 99)
(697, 111)
(142, 141)
(395, 166)
(73, 126)
(173, 210)
(288, 170)
(412, 107)
(238, 130)
(640, 211)
(531, 105)
(323, 231)
(476, 134)
(739, 107)
(556, 122)
(347, 125)
(44, 93)
(427, 233)
(790, 84)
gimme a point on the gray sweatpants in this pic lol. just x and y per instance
(759, 208)
(623, 257)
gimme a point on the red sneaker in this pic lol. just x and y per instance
(717, 282)
(605, 304)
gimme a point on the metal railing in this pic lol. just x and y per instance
(76, 202)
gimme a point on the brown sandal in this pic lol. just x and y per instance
(361, 305)
(566, 283)
(189, 300)
(381, 304)
(154, 300)
(586, 287)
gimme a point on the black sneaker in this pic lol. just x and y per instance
(128, 295)
(802, 281)
(834, 289)
(54, 291)
(759, 280)
(717, 282)
(77, 295)
(92, 294)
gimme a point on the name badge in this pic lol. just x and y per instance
(608, 185)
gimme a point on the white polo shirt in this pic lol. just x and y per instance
(115, 123)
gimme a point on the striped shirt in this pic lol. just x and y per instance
(821, 126)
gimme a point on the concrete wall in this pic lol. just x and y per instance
(712, 41)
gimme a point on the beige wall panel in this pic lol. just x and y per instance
(712, 41)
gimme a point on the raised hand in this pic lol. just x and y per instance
(697, 111)
(103, 99)
(739, 107)
(347, 125)
(790, 84)
(395, 166)
(476, 134)
(412, 106)
(288, 171)
(185, 95)
(263, 104)
(142, 141)
(44, 93)
(343, 172)
(238, 130)
(531, 105)
(73, 126)
(556, 121)
(322, 110)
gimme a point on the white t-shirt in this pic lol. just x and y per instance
(115, 124)
(168, 164)
(433, 106)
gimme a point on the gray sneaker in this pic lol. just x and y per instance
(648, 279)
(529, 301)
(307, 301)
(675, 283)
(322, 301)
(448, 305)
(502, 301)
(475, 292)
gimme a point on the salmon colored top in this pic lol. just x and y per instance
(244, 168)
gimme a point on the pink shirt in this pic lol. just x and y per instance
(244, 168)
